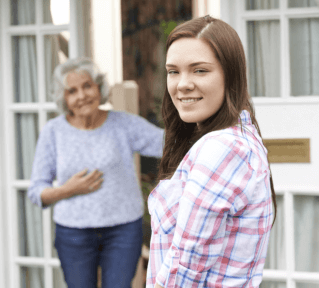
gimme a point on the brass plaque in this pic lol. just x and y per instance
(288, 150)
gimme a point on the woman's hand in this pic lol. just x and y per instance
(79, 184)
(83, 183)
(157, 286)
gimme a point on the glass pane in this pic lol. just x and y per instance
(262, 4)
(58, 278)
(307, 285)
(56, 12)
(264, 58)
(25, 83)
(304, 56)
(54, 251)
(26, 128)
(29, 226)
(22, 12)
(306, 215)
(56, 52)
(31, 277)
(272, 284)
(302, 3)
(276, 256)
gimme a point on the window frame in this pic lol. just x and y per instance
(11, 262)
(238, 21)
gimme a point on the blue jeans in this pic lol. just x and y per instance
(116, 249)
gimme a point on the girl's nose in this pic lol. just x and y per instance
(185, 83)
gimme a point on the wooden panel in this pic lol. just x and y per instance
(288, 150)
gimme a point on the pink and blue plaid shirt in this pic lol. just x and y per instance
(211, 221)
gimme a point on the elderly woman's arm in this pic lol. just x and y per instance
(41, 190)
(79, 183)
(145, 138)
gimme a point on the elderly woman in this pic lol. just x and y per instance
(98, 204)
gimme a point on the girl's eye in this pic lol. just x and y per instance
(87, 85)
(200, 71)
(172, 72)
(71, 91)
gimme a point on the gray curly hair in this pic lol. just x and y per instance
(78, 65)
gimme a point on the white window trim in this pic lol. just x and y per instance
(232, 12)
(10, 261)
(3, 212)
(238, 19)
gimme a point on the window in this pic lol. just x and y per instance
(36, 40)
(281, 42)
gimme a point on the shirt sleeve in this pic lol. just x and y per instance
(218, 184)
(44, 165)
(145, 138)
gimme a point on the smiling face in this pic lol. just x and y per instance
(82, 94)
(195, 79)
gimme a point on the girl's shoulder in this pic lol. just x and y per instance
(243, 141)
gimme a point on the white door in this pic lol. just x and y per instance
(281, 40)
(36, 35)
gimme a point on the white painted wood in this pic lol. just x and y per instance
(124, 97)
(73, 45)
(213, 8)
(289, 234)
(285, 101)
(284, 52)
(292, 121)
(37, 261)
(225, 11)
(32, 107)
(279, 275)
(32, 29)
(9, 210)
(201, 8)
(285, 117)
(107, 38)
(3, 239)
(204, 7)
(10, 261)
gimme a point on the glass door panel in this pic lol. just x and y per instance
(306, 215)
(22, 12)
(56, 52)
(58, 278)
(307, 285)
(304, 56)
(29, 227)
(302, 3)
(262, 4)
(276, 256)
(31, 277)
(25, 81)
(263, 39)
(26, 128)
(272, 284)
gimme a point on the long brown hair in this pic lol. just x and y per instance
(228, 49)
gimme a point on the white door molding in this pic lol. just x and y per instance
(3, 211)
(107, 38)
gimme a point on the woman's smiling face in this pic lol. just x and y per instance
(82, 94)
(195, 79)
